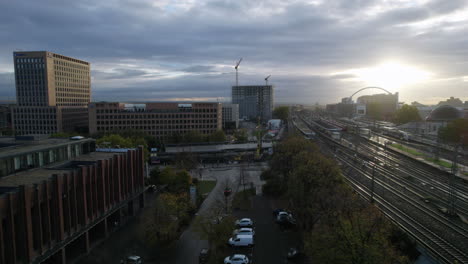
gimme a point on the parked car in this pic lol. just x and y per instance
(293, 253)
(282, 215)
(244, 231)
(244, 222)
(286, 220)
(277, 211)
(204, 255)
(134, 260)
(237, 259)
(241, 241)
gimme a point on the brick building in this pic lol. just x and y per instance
(52, 93)
(160, 120)
(59, 210)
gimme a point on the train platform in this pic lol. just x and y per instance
(423, 157)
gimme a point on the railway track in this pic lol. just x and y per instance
(404, 201)
(440, 248)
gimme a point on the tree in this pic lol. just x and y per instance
(455, 132)
(359, 234)
(282, 160)
(186, 161)
(407, 113)
(114, 140)
(176, 181)
(241, 135)
(315, 188)
(217, 136)
(161, 225)
(281, 112)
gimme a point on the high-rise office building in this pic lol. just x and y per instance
(52, 93)
(255, 101)
(230, 116)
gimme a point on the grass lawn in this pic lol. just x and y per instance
(419, 154)
(408, 150)
(440, 162)
(205, 186)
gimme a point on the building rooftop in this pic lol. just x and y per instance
(11, 146)
(27, 177)
(444, 113)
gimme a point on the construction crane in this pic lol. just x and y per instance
(237, 75)
(266, 79)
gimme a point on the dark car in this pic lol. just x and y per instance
(277, 211)
(203, 257)
(286, 221)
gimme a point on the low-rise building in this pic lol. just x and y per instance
(59, 198)
(160, 120)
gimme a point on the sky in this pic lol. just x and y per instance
(316, 51)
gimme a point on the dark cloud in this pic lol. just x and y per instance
(180, 50)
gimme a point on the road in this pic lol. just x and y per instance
(189, 245)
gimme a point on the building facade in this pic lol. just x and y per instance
(5, 119)
(255, 101)
(230, 116)
(160, 120)
(60, 210)
(52, 93)
(381, 106)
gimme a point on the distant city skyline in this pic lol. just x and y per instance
(316, 51)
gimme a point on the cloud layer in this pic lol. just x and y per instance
(160, 50)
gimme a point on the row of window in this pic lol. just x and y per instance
(30, 60)
(157, 116)
(164, 121)
(29, 74)
(74, 95)
(203, 110)
(31, 66)
(39, 159)
(35, 110)
(166, 131)
(73, 65)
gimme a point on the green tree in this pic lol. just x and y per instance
(186, 161)
(241, 135)
(114, 140)
(161, 225)
(181, 182)
(315, 188)
(359, 234)
(217, 136)
(455, 132)
(281, 112)
(285, 152)
(407, 113)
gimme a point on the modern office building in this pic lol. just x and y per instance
(52, 93)
(59, 198)
(380, 105)
(5, 119)
(255, 101)
(160, 120)
(230, 116)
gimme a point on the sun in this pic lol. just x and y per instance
(390, 75)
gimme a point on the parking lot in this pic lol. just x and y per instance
(271, 242)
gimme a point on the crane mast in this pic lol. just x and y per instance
(237, 74)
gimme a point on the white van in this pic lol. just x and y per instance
(241, 241)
